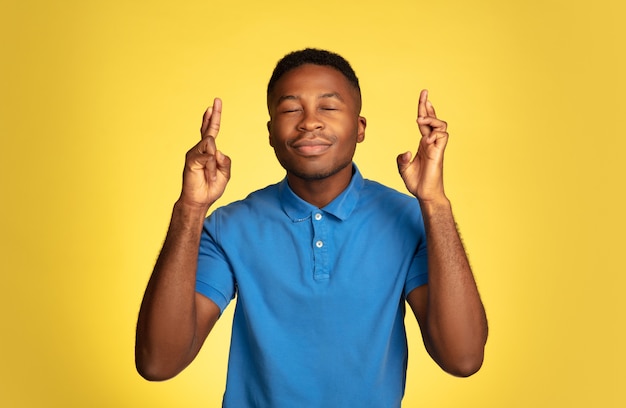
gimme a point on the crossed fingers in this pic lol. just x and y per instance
(430, 126)
(210, 126)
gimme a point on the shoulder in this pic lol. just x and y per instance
(260, 200)
(260, 203)
(384, 195)
(385, 204)
(241, 223)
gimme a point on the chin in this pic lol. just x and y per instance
(316, 174)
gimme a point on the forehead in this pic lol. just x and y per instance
(314, 80)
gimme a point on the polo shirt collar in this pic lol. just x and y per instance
(341, 207)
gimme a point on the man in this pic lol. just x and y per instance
(321, 263)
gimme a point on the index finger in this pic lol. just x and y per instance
(211, 120)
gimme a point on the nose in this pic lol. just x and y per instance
(310, 121)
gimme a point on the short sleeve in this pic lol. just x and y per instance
(418, 271)
(214, 278)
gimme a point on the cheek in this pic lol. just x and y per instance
(278, 131)
(275, 135)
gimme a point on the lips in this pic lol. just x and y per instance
(311, 147)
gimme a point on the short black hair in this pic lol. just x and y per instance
(313, 56)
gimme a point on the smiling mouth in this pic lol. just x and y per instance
(311, 147)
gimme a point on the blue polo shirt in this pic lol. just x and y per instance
(319, 319)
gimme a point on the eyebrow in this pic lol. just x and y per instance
(322, 96)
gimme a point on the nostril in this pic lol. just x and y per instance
(310, 122)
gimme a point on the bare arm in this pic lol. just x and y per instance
(449, 309)
(174, 320)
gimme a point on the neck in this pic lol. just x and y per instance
(320, 192)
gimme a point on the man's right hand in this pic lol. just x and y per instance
(174, 320)
(207, 170)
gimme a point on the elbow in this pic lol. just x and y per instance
(151, 374)
(463, 361)
(153, 369)
(462, 356)
(460, 361)
(465, 366)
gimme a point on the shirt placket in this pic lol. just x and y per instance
(320, 244)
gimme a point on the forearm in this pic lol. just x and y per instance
(167, 323)
(456, 325)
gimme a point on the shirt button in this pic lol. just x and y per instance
(318, 216)
(319, 244)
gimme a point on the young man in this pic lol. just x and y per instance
(321, 263)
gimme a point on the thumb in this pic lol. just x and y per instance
(403, 160)
(223, 163)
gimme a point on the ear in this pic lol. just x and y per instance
(362, 124)
(269, 131)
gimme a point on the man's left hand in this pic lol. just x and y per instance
(423, 176)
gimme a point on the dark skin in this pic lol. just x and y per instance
(314, 128)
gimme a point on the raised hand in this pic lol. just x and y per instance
(174, 320)
(207, 170)
(423, 176)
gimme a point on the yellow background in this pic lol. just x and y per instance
(101, 99)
